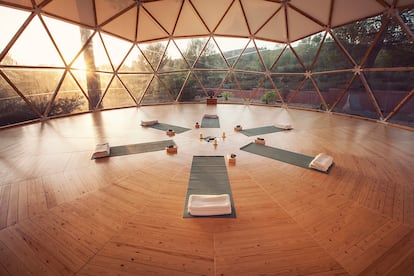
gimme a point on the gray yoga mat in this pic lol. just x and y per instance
(210, 122)
(282, 155)
(140, 148)
(208, 176)
(261, 130)
(165, 127)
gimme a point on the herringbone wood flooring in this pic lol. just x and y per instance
(62, 213)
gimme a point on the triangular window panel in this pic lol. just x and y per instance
(13, 109)
(306, 97)
(135, 62)
(117, 49)
(94, 84)
(117, 96)
(405, 115)
(34, 48)
(394, 49)
(232, 86)
(307, 49)
(165, 12)
(67, 37)
(174, 82)
(211, 80)
(211, 18)
(288, 63)
(407, 17)
(287, 85)
(211, 58)
(389, 88)
(250, 60)
(157, 93)
(269, 51)
(356, 102)
(231, 47)
(8, 30)
(189, 23)
(37, 85)
(231, 82)
(148, 28)
(117, 25)
(69, 99)
(265, 94)
(249, 82)
(231, 23)
(136, 84)
(332, 85)
(191, 48)
(172, 60)
(357, 37)
(192, 90)
(105, 9)
(331, 57)
(153, 52)
(93, 57)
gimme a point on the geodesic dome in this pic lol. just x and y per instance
(61, 57)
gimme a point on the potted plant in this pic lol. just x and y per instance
(226, 95)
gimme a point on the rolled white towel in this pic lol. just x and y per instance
(210, 116)
(209, 205)
(284, 126)
(149, 123)
(102, 150)
(321, 162)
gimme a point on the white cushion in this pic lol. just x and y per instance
(209, 205)
(321, 162)
(101, 150)
(149, 123)
(284, 126)
(210, 116)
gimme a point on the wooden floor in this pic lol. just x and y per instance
(62, 213)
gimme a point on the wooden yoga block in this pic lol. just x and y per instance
(211, 101)
(171, 149)
(231, 159)
(170, 132)
(238, 128)
(260, 141)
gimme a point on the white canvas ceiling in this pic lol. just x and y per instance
(147, 20)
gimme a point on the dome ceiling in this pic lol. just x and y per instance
(147, 20)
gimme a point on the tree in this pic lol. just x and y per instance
(92, 78)
(269, 97)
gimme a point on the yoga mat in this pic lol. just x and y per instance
(282, 155)
(261, 130)
(165, 127)
(208, 176)
(140, 148)
(210, 122)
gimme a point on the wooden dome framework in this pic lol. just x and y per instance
(143, 22)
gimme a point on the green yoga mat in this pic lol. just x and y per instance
(208, 176)
(282, 155)
(261, 130)
(165, 127)
(140, 148)
(210, 122)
